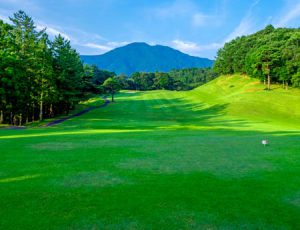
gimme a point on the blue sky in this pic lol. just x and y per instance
(196, 27)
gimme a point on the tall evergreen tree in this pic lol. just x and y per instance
(68, 69)
(38, 78)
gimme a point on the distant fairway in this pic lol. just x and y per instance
(160, 160)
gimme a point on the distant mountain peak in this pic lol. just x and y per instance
(138, 44)
(140, 56)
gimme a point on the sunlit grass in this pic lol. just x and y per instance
(20, 178)
(160, 160)
(89, 132)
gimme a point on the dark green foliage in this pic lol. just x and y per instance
(269, 55)
(143, 81)
(141, 57)
(124, 82)
(68, 70)
(38, 78)
(183, 79)
(111, 86)
(94, 78)
(98, 75)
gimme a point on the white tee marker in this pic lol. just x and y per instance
(265, 142)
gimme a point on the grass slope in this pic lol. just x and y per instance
(246, 97)
(160, 160)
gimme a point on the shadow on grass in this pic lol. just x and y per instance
(158, 113)
(134, 114)
(191, 179)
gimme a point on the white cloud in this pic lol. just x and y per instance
(4, 18)
(185, 46)
(83, 35)
(52, 31)
(78, 38)
(246, 25)
(103, 48)
(292, 13)
(184, 10)
(177, 8)
(200, 19)
(27, 5)
(117, 44)
(193, 48)
(5, 14)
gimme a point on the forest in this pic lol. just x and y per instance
(182, 79)
(39, 78)
(271, 55)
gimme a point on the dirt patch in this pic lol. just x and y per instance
(55, 146)
(294, 200)
(83, 144)
(92, 179)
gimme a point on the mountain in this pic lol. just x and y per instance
(144, 58)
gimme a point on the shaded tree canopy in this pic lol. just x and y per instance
(269, 55)
(111, 86)
(183, 79)
(39, 78)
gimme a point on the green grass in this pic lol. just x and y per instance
(160, 160)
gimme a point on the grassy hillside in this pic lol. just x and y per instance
(246, 98)
(160, 160)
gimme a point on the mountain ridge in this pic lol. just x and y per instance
(142, 57)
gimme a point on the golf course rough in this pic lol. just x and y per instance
(160, 160)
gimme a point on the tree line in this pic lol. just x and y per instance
(42, 78)
(39, 78)
(271, 55)
(183, 79)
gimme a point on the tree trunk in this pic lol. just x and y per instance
(32, 118)
(15, 119)
(41, 107)
(27, 116)
(1, 117)
(67, 109)
(269, 82)
(51, 110)
(112, 97)
(286, 85)
(20, 119)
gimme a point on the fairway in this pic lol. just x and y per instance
(160, 160)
